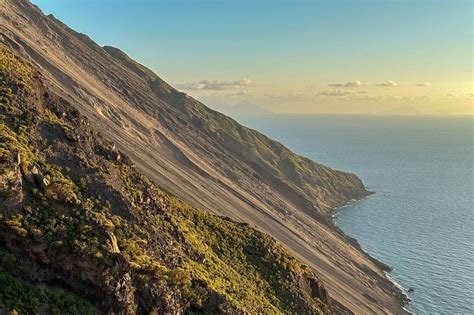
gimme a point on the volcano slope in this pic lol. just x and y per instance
(204, 157)
(83, 232)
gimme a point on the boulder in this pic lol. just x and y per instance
(18, 158)
(113, 242)
(38, 179)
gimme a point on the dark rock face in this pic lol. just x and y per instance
(38, 178)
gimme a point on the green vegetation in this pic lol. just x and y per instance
(18, 295)
(26, 298)
(87, 219)
(14, 69)
(246, 266)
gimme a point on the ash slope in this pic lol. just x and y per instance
(205, 157)
(82, 232)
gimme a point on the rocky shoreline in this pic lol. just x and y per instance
(402, 296)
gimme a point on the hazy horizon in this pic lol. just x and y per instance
(394, 57)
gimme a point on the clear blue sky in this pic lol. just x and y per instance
(294, 44)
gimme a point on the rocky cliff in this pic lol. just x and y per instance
(202, 156)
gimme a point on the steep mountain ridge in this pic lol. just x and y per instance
(83, 233)
(297, 177)
(202, 156)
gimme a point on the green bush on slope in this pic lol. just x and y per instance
(27, 298)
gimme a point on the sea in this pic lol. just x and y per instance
(420, 220)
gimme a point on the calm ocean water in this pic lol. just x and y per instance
(421, 219)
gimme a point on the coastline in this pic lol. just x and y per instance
(404, 291)
(401, 292)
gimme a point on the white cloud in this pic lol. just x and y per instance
(387, 84)
(241, 93)
(358, 83)
(290, 97)
(423, 84)
(423, 97)
(470, 95)
(452, 95)
(215, 85)
(347, 84)
(335, 93)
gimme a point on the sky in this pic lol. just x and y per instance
(295, 56)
